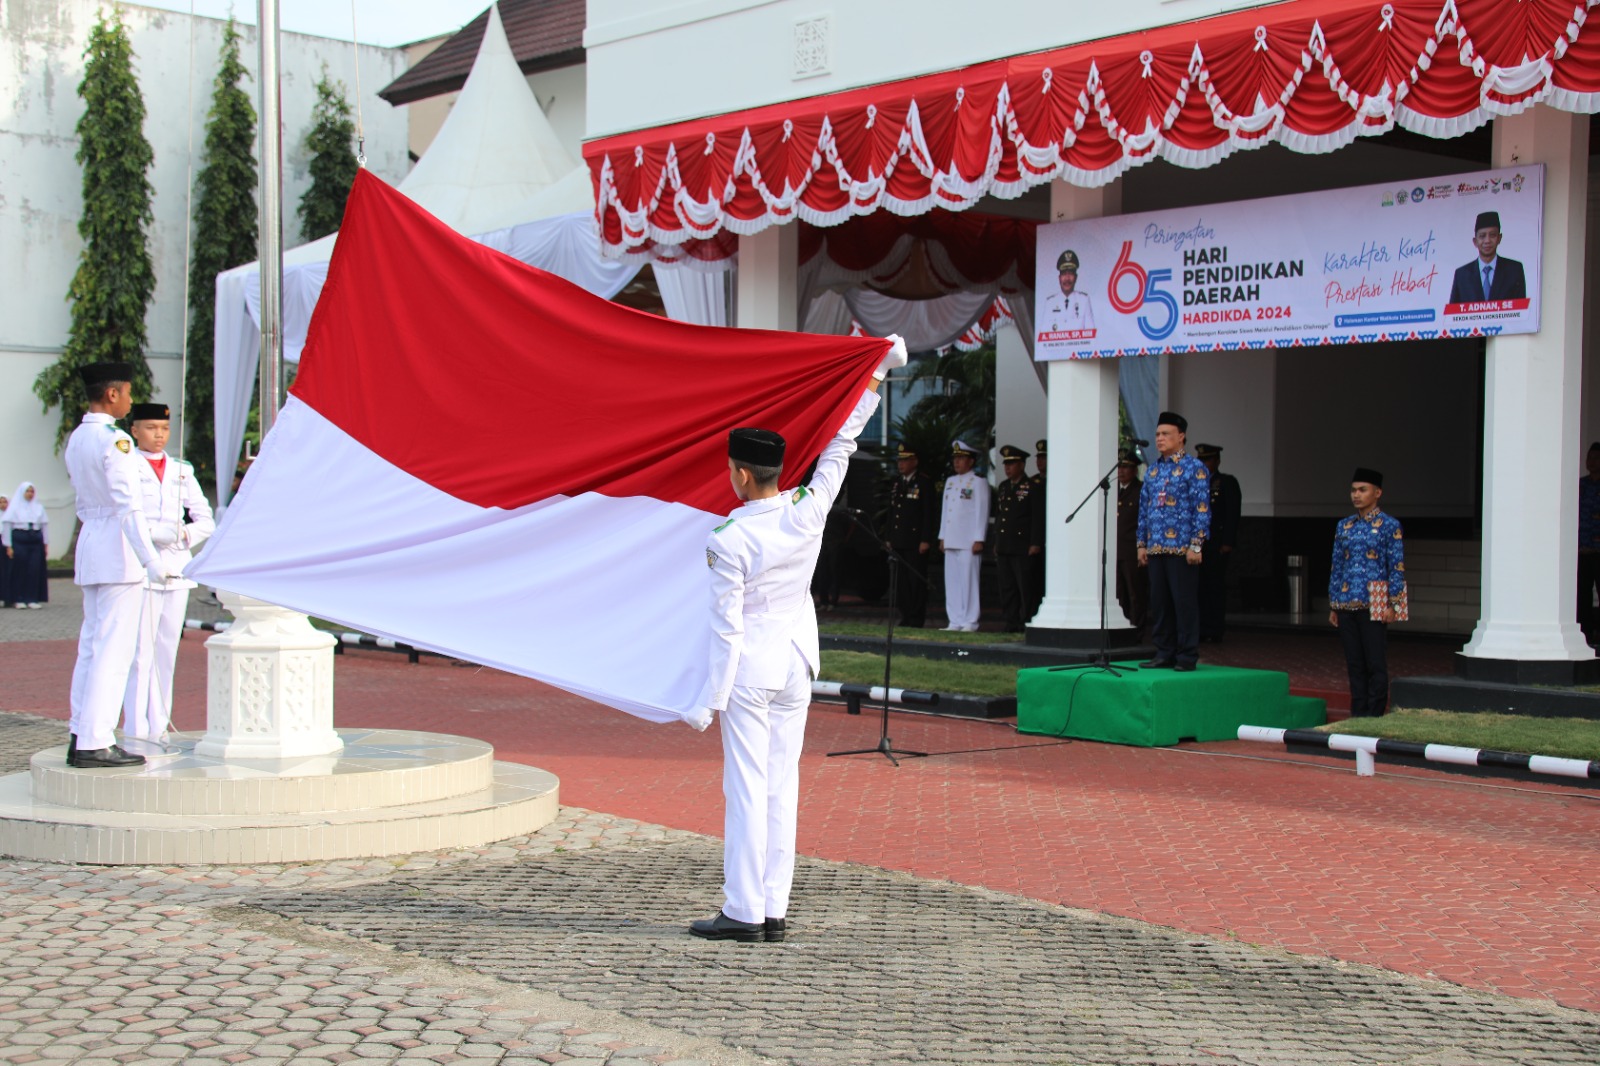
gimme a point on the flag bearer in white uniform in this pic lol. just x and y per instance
(168, 493)
(763, 657)
(113, 561)
(963, 526)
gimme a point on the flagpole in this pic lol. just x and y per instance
(270, 239)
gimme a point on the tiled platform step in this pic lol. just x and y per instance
(378, 768)
(513, 800)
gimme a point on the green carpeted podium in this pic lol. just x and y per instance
(1153, 708)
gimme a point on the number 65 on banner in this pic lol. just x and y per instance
(1146, 289)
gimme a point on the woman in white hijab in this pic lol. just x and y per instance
(25, 533)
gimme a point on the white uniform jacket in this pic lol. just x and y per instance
(761, 562)
(964, 519)
(163, 501)
(114, 546)
(1067, 313)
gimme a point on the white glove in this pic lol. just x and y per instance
(894, 360)
(162, 534)
(157, 572)
(702, 720)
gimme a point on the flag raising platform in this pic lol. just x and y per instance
(1152, 708)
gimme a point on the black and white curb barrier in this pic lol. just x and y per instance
(1367, 749)
(854, 694)
(355, 640)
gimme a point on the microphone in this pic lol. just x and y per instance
(1140, 443)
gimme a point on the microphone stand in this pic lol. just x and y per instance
(885, 746)
(1102, 660)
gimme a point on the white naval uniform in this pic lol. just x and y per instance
(147, 705)
(1067, 312)
(113, 550)
(963, 522)
(763, 656)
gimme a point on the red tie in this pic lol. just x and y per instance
(158, 464)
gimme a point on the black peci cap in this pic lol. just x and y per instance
(155, 411)
(758, 447)
(1370, 476)
(1172, 418)
(96, 374)
(1485, 219)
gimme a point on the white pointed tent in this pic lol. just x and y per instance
(496, 170)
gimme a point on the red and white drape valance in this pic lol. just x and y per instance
(1309, 74)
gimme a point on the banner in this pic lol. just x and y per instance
(1399, 261)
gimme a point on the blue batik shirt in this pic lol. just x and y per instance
(1368, 552)
(1175, 506)
(1588, 515)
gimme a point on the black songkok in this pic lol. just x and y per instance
(97, 374)
(1172, 418)
(156, 411)
(757, 447)
(1487, 218)
(1370, 476)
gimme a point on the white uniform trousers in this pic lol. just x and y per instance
(147, 705)
(106, 646)
(762, 733)
(961, 586)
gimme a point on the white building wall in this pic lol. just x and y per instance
(726, 55)
(41, 65)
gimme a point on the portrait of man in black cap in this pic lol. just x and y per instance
(1490, 276)
(1069, 309)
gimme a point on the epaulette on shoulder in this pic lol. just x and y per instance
(725, 525)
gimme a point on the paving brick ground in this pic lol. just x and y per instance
(567, 946)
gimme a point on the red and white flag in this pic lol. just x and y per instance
(483, 460)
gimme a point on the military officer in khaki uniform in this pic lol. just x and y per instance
(1014, 528)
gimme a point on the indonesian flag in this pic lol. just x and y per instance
(483, 460)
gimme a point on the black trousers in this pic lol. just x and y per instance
(911, 587)
(1133, 587)
(1213, 594)
(1036, 568)
(1016, 590)
(1588, 580)
(1366, 656)
(1174, 608)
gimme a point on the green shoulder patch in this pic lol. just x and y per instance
(725, 525)
(800, 493)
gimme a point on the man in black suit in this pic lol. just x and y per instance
(912, 529)
(1488, 277)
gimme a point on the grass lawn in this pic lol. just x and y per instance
(968, 679)
(875, 629)
(1572, 738)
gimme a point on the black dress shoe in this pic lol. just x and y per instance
(1184, 668)
(724, 928)
(72, 747)
(1157, 664)
(102, 757)
(775, 929)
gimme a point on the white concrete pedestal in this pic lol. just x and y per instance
(270, 687)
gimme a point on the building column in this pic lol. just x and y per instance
(768, 279)
(1528, 631)
(1082, 430)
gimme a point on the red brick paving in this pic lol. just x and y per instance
(1490, 886)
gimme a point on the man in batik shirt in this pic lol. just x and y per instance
(1174, 521)
(1367, 591)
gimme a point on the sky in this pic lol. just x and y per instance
(386, 22)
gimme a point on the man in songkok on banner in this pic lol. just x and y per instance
(1490, 276)
(179, 519)
(1174, 521)
(764, 654)
(1367, 591)
(114, 560)
(963, 527)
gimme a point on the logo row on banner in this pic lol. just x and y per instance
(1418, 260)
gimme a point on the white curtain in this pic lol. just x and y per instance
(700, 296)
(565, 244)
(925, 324)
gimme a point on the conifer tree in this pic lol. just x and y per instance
(115, 278)
(333, 161)
(225, 226)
